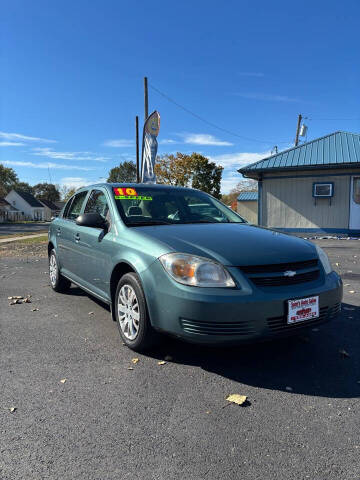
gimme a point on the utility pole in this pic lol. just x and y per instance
(298, 130)
(146, 98)
(137, 149)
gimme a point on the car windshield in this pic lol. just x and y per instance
(140, 206)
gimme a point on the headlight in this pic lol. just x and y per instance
(196, 271)
(324, 259)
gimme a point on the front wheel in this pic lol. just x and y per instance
(131, 314)
(57, 281)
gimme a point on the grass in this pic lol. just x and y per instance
(43, 238)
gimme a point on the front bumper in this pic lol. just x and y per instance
(233, 316)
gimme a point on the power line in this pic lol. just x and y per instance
(211, 124)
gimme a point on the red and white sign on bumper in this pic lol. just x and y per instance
(303, 309)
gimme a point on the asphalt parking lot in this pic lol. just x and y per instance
(114, 419)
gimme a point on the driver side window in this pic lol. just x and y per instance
(97, 203)
(75, 208)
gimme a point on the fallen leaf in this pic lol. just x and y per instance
(337, 264)
(161, 362)
(208, 411)
(135, 360)
(17, 297)
(12, 409)
(27, 300)
(168, 358)
(130, 368)
(346, 284)
(238, 399)
(14, 302)
(63, 380)
(34, 309)
(91, 313)
(344, 353)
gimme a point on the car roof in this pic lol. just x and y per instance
(137, 185)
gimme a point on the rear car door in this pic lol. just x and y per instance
(94, 248)
(67, 234)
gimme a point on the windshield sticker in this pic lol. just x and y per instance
(128, 194)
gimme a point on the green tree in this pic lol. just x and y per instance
(47, 191)
(195, 170)
(174, 169)
(24, 187)
(66, 192)
(8, 180)
(206, 175)
(124, 173)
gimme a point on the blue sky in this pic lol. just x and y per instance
(72, 78)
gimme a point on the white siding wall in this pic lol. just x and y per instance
(288, 203)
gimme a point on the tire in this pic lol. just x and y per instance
(57, 281)
(132, 315)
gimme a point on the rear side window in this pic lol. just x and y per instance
(97, 203)
(76, 205)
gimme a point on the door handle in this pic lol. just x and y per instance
(77, 237)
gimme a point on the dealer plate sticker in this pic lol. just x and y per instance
(303, 309)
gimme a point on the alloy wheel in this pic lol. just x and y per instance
(128, 312)
(53, 270)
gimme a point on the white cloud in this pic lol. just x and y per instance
(24, 138)
(54, 166)
(167, 141)
(232, 162)
(204, 139)
(251, 74)
(238, 159)
(50, 153)
(11, 144)
(119, 143)
(75, 182)
(266, 97)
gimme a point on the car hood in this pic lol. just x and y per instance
(232, 244)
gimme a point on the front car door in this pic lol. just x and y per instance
(94, 248)
(354, 223)
(66, 232)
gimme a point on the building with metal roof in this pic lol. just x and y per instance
(248, 196)
(314, 187)
(247, 206)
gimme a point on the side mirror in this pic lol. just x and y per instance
(94, 220)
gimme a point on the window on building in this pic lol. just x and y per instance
(325, 190)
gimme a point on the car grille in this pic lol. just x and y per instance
(217, 328)
(273, 275)
(279, 324)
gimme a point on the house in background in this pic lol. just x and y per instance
(26, 203)
(51, 210)
(8, 213)
(314, 187)
(247, 206)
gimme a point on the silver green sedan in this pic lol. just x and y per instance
(177, 261)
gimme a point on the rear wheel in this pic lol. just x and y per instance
(131, 314)
(57, 281)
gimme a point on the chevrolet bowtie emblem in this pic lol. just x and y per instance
(289, 273)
